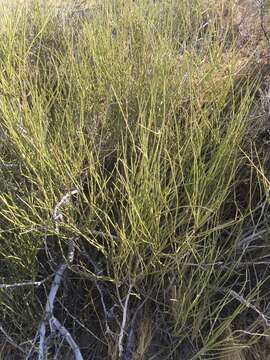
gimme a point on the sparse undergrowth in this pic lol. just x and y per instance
(132, 134)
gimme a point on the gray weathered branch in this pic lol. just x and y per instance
(58, 278)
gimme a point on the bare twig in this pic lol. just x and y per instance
(67, 336)
(249, 238)
(51, 298)
(42, 326)
(123, 325)
(98, 271)
(33, 344)
(58, 277)
(261, 4)
(104, 235)
(42, 347)
(54, 289)
(25, 283)
(219, 264)
(10, 340)
(245, 302)
(57, 216)
(77, 321)
(8, 166)
(128, 353)
(49, 308)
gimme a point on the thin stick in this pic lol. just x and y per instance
(50, 301)
(99, 272)
(25, 283)
(262, 8)
(10, 340)
(102, 234)
(8, 166)
(33, 344)
(42, 346)
(54, 289)
(123, 325)
(80, 323)
(128, 354)
(245, 302)
(67, 336)
(245, 241)
(58, 277)
(57, 216)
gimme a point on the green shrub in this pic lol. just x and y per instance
(147, 109)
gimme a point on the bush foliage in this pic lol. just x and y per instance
(154, 112)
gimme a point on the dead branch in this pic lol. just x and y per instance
(54, 289)
(48, 317)
(261, 4)
(245, 302)
(49, 309)
(57, 215)
(123, 325)
(98, 271)
(8, 166)
(42, 347)
(25, 283)
(77, 321)
(58, 278)
(33, 344)
(10, 340)
(248, 239)
(67, 336)
(104, 235)
(128, 353)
